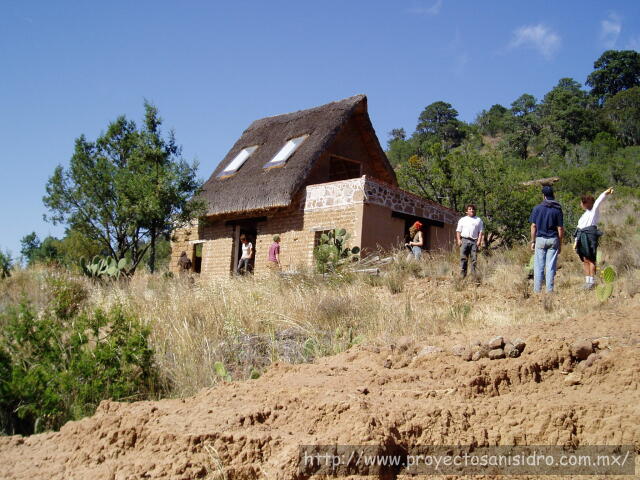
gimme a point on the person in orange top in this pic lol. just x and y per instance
(416, 242)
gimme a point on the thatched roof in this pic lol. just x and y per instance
(254, 187)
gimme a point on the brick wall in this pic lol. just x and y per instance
(349, 204)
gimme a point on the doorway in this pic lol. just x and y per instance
(197, 258)
(248, 229)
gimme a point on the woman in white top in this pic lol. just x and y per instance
(244, 265)
(587, 234)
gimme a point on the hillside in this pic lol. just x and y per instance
(392, 396)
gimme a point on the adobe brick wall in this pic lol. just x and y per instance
(297, 230)
(349, 204)
(381, 230)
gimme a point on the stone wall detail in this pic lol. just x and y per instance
(367, 190)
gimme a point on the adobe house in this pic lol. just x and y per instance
(301, 174)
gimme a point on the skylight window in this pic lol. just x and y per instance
(239, 160)
(285, 152)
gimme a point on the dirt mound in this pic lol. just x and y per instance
(391, 396)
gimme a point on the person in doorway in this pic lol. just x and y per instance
(416, 241)
(587, 234)
(274, 254)
(469, 237)
(244, 264)
(547, 232)
(184, 263)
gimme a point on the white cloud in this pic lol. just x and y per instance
(610, 29)
(633, 43)
(538, 37)
(432, 10)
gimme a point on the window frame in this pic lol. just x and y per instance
(226, 172)
(272, 163)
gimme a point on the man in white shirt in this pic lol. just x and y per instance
(469, 236)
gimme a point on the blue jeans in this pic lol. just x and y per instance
(417, 252)
(545, 261)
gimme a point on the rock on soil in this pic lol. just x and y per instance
(581, 349)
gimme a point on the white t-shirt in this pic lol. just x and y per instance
(246, 248)
(591, 217)
(470, 227)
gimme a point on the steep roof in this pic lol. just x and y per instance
(254, 187)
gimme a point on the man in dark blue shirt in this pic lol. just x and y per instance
(547, 231)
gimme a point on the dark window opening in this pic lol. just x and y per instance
(342, 169)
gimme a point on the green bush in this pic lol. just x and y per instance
(59, 365)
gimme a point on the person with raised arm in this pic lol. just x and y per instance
(587, 234)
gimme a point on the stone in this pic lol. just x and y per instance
(573, 379)
(495, 342)
(467, 356)
(519, 344)
(428, 350)
(496, 354)
(591, 359)
(388, 363)
(404, 343)
(581, 349)
(458, 350)
(602, 343)
(362, 390)
(511, 351)
(479, 351)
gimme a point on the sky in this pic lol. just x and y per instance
(68, 68)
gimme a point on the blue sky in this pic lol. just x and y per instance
(70, 67)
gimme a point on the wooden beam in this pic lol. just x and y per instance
(541, 182)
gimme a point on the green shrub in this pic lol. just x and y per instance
(57, 370)
(67, 296)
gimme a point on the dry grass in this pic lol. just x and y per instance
(248, 323)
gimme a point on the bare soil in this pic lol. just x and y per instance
(386, 395)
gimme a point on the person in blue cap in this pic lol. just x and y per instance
(547, 232)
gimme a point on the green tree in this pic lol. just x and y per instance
(439, 122)
(567, 112)
(34, 251)
(492, 121)
(623, 111)
(125, 189)
(524, 105)
(472, 174)
(614, 71)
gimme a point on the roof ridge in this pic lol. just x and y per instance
(348, 102)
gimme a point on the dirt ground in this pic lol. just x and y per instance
(391, 396)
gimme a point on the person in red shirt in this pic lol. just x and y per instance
(274, 254)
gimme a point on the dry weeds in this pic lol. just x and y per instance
(249, 323)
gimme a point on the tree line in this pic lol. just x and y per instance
(588, 138)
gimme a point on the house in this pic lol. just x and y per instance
(299, 175)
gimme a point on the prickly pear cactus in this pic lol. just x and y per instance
(332, 252)
(101, 268)
(608, 274)
(604, 291)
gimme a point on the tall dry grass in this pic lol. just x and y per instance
(247, 323)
